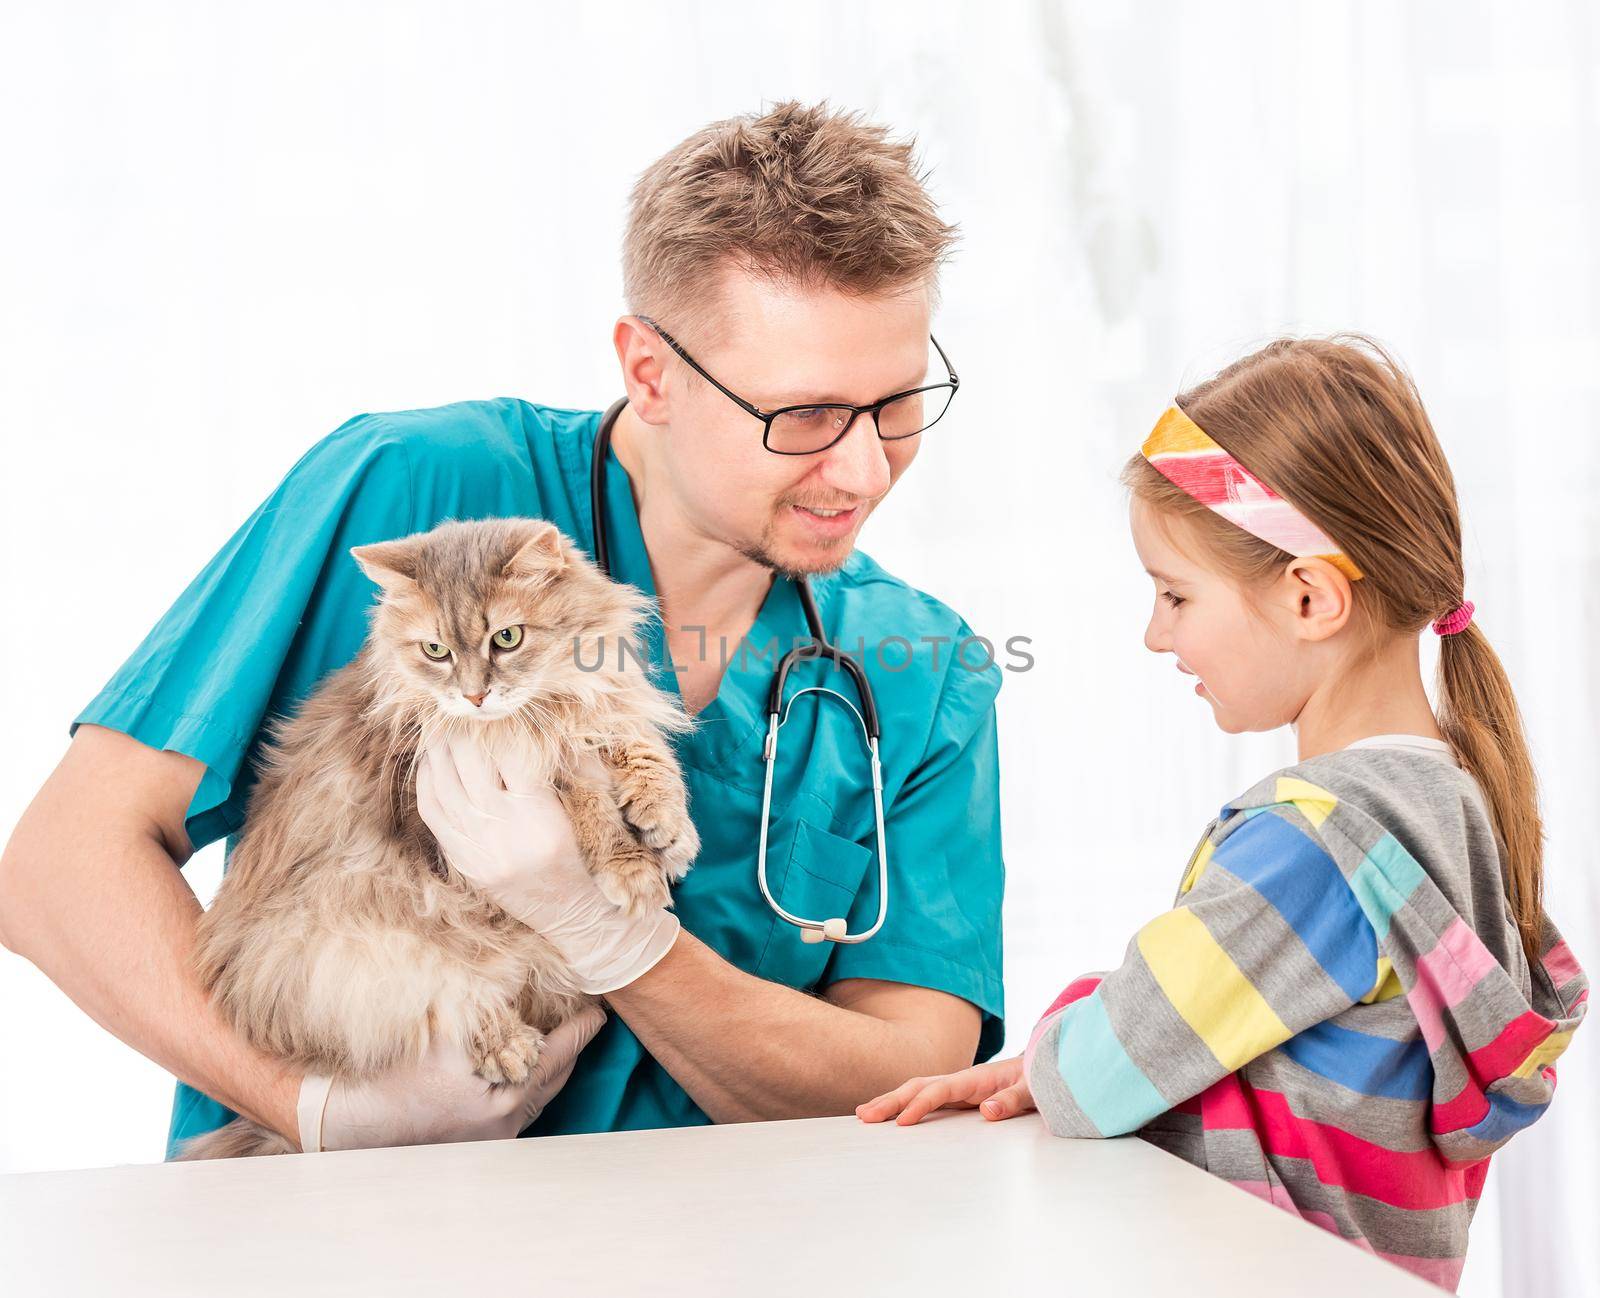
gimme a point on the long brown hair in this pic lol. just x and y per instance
(1336, 426)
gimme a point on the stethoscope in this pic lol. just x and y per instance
(811, 930)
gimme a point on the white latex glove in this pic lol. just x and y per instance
(439, 1100)
(509, 836)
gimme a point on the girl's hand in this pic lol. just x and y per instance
(997, 1089)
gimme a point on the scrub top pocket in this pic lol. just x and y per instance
(817, 879)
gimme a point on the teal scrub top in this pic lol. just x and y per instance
(283, 604)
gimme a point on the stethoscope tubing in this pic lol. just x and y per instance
(811, 930)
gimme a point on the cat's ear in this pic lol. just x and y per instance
(541, 553)
(392, 564)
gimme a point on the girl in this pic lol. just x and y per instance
(1357, 997)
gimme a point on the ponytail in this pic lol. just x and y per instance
(1479, 717)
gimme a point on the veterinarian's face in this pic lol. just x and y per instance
(775, 346)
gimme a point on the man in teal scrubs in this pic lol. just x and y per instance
(793, 258)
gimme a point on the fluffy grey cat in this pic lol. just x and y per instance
(341, 939)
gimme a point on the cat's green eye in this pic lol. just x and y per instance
(509, 638)
(435, 651)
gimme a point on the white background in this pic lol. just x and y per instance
(226, 228)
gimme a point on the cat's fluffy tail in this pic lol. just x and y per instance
(241, 1138)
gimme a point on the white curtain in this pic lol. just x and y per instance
(228, 228)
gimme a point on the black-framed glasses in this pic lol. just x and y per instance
(816, 425)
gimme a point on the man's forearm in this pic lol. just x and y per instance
(748, 1050)
(106, 914)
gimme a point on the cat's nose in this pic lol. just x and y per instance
(475, 699)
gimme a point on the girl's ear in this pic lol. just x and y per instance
(1322, 598)
(392, 564)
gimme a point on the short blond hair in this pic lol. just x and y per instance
(806, 194)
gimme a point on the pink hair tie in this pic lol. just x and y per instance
(1455, 621)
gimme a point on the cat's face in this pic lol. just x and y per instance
(479, 620)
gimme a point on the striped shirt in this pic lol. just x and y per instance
(1336, 1015)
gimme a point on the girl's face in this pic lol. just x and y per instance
(1248, 661)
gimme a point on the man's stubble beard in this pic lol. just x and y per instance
(762, 551)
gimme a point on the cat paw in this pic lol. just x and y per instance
(636, 882)
(509, 1060)
(678, 855)
(667, 830)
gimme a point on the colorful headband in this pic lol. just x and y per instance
(1179, 450)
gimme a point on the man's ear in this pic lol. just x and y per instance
(1322, 598)
(642, 355)
(392, 564)
(540, 554)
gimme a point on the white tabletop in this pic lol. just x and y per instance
(955, 1205)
